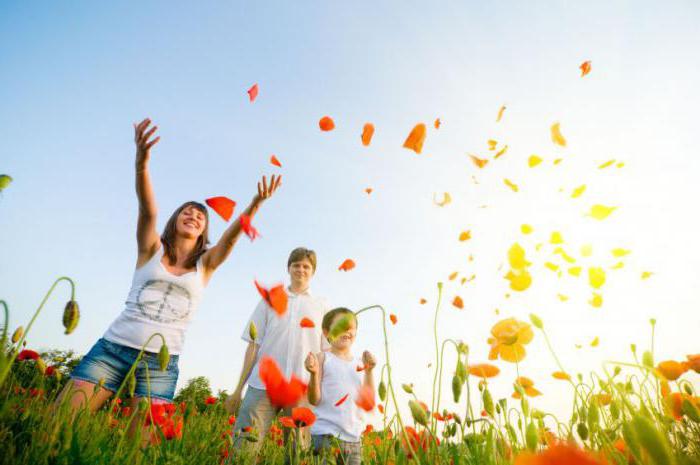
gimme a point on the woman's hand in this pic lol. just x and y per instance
(265, 191)
(142, 137)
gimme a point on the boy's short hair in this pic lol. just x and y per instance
(330, 316)
(301, 253)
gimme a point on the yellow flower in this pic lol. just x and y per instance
(528, 387)
(509, 339)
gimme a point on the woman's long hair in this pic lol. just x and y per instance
(168, 237)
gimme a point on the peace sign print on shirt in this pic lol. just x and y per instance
(163, 301)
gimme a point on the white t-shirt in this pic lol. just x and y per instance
(158, 302)
(340, 378)
(282, 337)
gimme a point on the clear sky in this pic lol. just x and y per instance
(74, 76)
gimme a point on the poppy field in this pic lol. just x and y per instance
(634, 410)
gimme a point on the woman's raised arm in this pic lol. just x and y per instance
(216, 255)
(146, 235)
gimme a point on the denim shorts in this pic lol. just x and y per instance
(110, 362)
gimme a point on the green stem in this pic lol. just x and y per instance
(388, 371)
(6, 368)
(437, 353)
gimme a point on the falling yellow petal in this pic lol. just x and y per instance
(533, 161)
(462, 281)
(595, 342)
(453, 275)
(510, 184)
(556, 238)
(600, 212)
(619, 252)
(525, 228)
(620, 165)
(471, 257)
(646, 274)
(538, 246)
(516, 257)
(501, 152)
(479, 162)
(564, 255)
(596, 276)
(492, 144)
(519, 280)
(596, 300)
(465, 236)
(587, 250)
(551, 266)
(578, 191)
(446, 199)
(563, 297)
(557, 138)
(575, 270)
(557, 161)
(617, 266)
(606, 164)
(500, 113)
(578, 346)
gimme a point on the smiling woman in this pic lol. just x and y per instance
(171, 273)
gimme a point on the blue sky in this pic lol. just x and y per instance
(74, 76)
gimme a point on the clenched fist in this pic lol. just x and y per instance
(311, 363)
(368, 360)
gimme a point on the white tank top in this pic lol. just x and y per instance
(158, 302)
(339, 378)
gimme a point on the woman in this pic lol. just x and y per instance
(171, 273)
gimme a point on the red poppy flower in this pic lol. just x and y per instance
(342, 400)
(276, 297)
(223, 206)
(326, 123)
(210, 400)
(253, 92)
(365, 398)
(172, 428)
(287, 422)
(380, 407)
(248, 228)
(347, 265)
(232, 419)
(27, 354)
(303, 416)
(50, 371)
(275, 161)
(282, 393)
(307, 323)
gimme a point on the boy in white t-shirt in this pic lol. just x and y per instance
(341, 387)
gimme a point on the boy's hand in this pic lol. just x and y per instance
(311, 363)
(368, 360)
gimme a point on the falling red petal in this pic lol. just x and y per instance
(347, 265)
(342, 399)
(307, 323)
(275, 161)
(223, 206)
(253, 92)
(248, 228)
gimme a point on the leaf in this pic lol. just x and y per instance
(557, 138)
(347, 265)
(307, 323)
(600, 212)
(578, 191)
(510, 184)
(606, 164)
(367, 133)
(326, 124)
(437, 123)
(446, 200)
(501, 152)
(465, 236)
(253, 93)
(341, 400)
(223, 206)
(479, 162)
(533, 161)
(585, 68)
(457, 302)
(415, 139)
(275, 161)
(500, 113)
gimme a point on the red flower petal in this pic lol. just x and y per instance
(275, 161)
(27, 354)
(247, 228)
(307, 323)
(367, 133)
(276, 297)
(253, 92)
(365, 398)
(393, 319)
(347, 265)
(342, 399)
(223, 206)
(282, 393)
(326, 124)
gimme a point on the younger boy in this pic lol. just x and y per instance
(336, 379)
